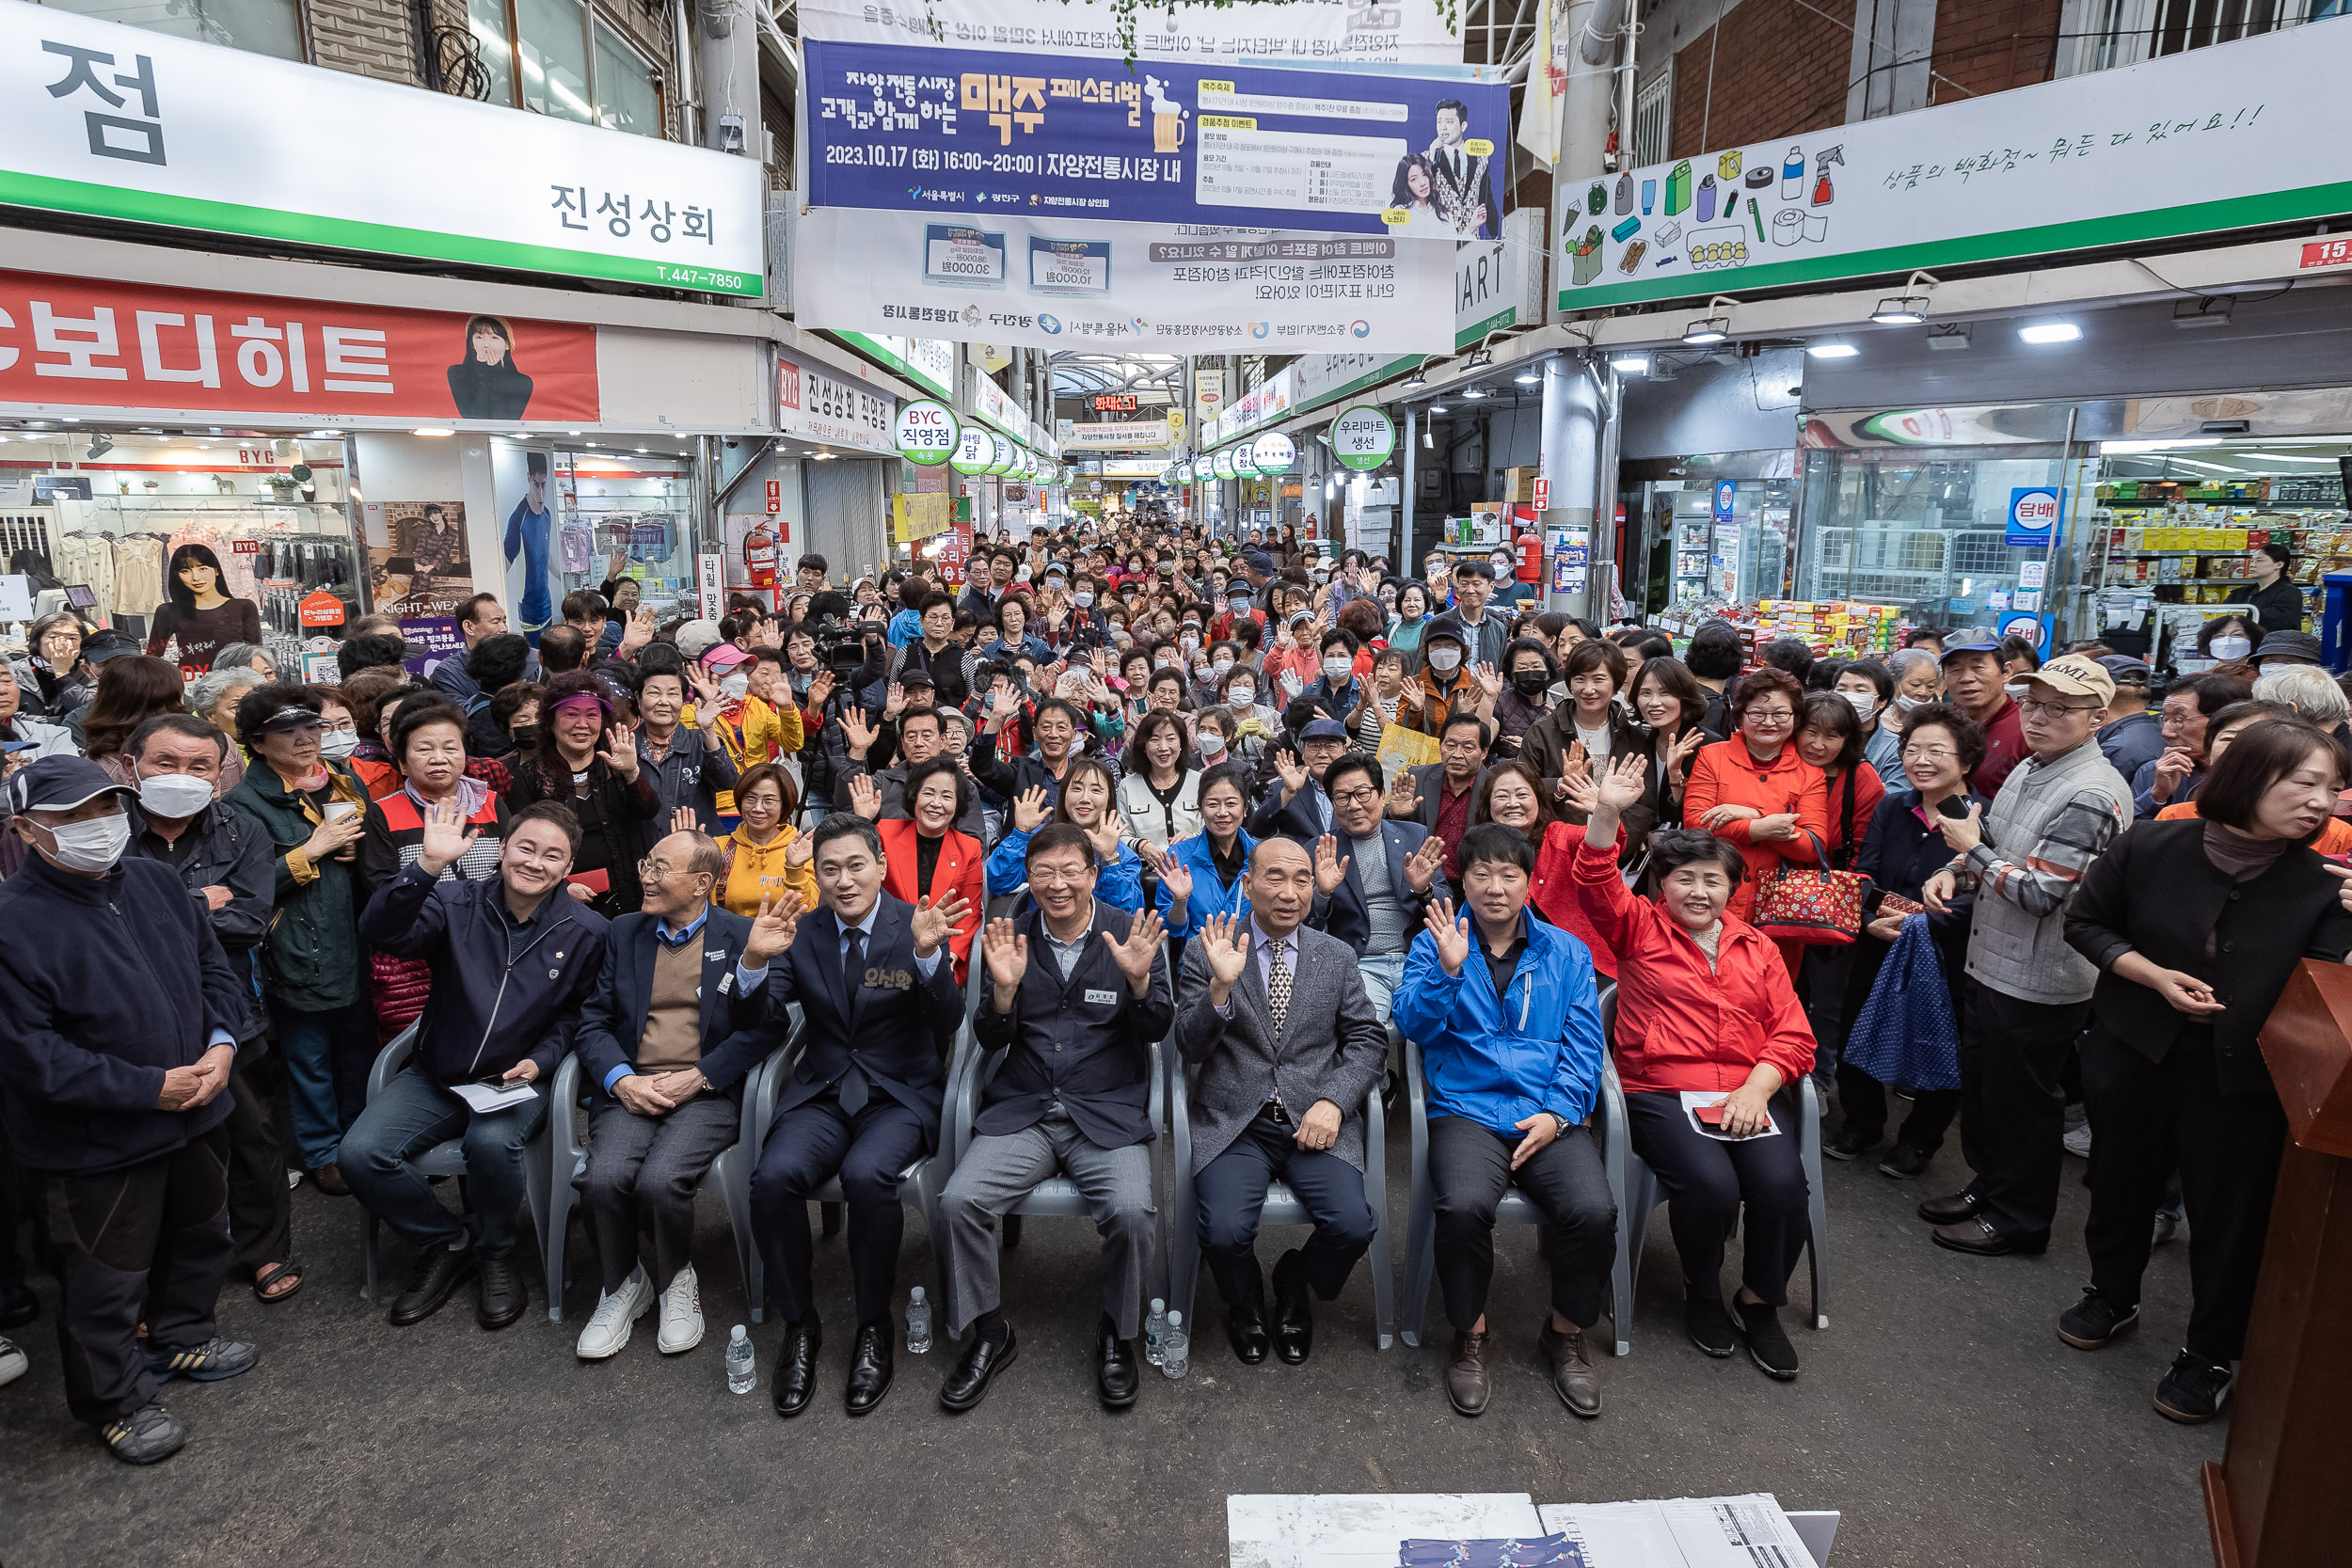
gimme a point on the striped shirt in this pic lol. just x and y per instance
(2041, 880)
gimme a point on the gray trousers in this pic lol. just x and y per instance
(641, 1175)
(998, 1172)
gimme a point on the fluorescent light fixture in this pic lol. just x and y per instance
(1710, 329)
(571, 432)
(2191, 314)
(1832, 350)
(2049, 332)
(2125, 449)
(645, 448)
(1474, 392)
(1948, 339)
(433, 430)
(1630, 364)
(1902, 310)
(1529, 377)
(324, 435)
(73, 419)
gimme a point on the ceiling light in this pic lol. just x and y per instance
(431, 430)
(571, 432)
(2049, 332)
(645, 448)
(1474, 392)
(100, 445)
(1630, 364)
(1832, 350)
(1902, 310)
(1484, 355)
(324, 435)
(1946, 338)
(2125, 449)
(1529, 377)
(73, 419)
(1437, 408)
(1712, 329)
(1416, 381)
(2191, 314)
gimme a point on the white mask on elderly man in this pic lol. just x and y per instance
(2231, 647)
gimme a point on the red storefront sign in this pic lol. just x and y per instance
(89, 343)
(322, 609)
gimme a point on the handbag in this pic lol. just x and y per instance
(1809, 905)
(1905, 1033)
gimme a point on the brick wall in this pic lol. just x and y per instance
(370, 37)
(1778, 70)
(1992, 45)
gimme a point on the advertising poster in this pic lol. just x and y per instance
(1218, 290)
(1303, 30)
(526, 493)
(418, 566)
(2234, 135)
(915, 129)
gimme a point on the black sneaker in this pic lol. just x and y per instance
(210, 1362)
(1709, 1325)
(1904, 1160)
(2094, 1323)
(1768, 1342)
(1850, 1144)
(144, 1436)
(2194, 1391)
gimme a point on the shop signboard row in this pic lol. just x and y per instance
(990, 404)
(2236, 136)
(122, 123)
(821, 407)
(928, 362)
(94, 344)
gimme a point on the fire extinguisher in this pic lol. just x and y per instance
(1532, 556)
(759, 556)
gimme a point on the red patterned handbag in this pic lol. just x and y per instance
(1805, 902)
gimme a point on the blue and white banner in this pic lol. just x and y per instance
(1070, 137)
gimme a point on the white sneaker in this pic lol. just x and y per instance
(2078, 1142)
(607, 1328)
(681, 1314)
(12, 1363)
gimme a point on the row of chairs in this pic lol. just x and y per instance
(557, 1163)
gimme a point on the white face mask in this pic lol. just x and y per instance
(94, 846)
(1242, 696)
(2017, 689)
(733, 686)
(1864, 701)
(1189, 640)
(1336, 670)
(2231, 647)
(174, 795)
(1084, 599)
(1163, 662)
(1907, 704)
(338, 743)
(1220, 668)
(1444, 661)
(1212, 744)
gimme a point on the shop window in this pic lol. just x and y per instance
(259, 26)
(2100, 35)
(558, 57)
(1653, 117)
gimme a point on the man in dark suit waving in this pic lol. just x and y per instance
(1276, 1017)
(1077, 992)
(1372, 876)
(666, 1036)
(879, 1011)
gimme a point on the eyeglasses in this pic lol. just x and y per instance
(2035, 704)
(1059, 879)
(1919, 753)
(1770, 714)
(1354, 797)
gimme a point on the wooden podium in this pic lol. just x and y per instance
(2276, 1501)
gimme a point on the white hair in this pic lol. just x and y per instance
(211, 686)
(1900, 661)
(2308, 690)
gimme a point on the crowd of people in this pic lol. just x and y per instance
(1135, 785)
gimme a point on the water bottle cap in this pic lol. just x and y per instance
(1175, 1319)
(739, 1334)
(1158, 1306)
(917, 1294)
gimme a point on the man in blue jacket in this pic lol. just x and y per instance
(118, 1014)
(1508, 1021)
(511, 961)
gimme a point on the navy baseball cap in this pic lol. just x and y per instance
(1324, 729)
(61, 784)
(1974, 640)
(1257, 561)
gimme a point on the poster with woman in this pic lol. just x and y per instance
(487, 384)
(418, 563)
(199, 614)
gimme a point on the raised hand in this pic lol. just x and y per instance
(446, 840)
(706, 699)
(636, 634)
(1293, 772)
(801, 851)
(1030, 809)
(894, 700)
(935, 923)
(1451, 934)
(820, 688)
(1103, 835)
(1007, 958)
(859, 733)
(1144, 936)
(1621, 783)
(1403, 794)
(621, 756)
(1489, 680)
(1331, 866)
(1175, 876)
(1423, 865)
(1578, 792)
(683, 820)
(773, 928)
(865, 798)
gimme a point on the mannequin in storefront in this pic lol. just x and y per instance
(200, 612)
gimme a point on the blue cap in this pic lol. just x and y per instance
(1324, 729)
(61, 784)
(1974, 640)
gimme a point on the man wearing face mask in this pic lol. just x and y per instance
(223, 859)
(1973, 679)
(1442, 686)
(115, 1097)
(1335, 690)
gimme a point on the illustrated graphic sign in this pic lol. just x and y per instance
(2236, 135)
(1272, 452)
(1306, 30)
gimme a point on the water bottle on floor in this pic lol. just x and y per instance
(1155, 1330)
(742, 1372)
(918, 1322)
(1175, 1348)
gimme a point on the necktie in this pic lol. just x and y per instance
(852, 1081)
(1277, 987)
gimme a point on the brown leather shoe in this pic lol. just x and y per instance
(329, 1178)
(1949, 1211)
(1574, 1377)
(1465, 1383)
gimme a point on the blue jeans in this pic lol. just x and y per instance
(411, 1116)
(1383, 972)
(308, 1042)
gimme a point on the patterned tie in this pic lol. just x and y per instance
(1277, 987)
(853, 1090)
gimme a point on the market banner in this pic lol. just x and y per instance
(1411, 34)
(2231, 137)
(826, 409)
(90, 343)
(123, 123)
(1038, 282)
(919, 129)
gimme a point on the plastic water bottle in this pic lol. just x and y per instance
(742, 1370)
(1155, 1330)
(918, 1322)
(1175, 1347)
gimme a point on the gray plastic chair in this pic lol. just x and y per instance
(919, 1184)
(449, 1159)
(567, 1163)
(1638, 1195)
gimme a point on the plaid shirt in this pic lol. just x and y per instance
(2045, 876)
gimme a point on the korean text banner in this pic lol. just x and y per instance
(83, 344)
(2230, 136)
(116, 123)
(1061, 136)
(1411, 32)
(1042, 284)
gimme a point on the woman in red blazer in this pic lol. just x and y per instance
(927, 857)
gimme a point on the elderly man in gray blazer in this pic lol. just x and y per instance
(1275, 1018)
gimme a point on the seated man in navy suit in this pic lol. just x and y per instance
(1295, 805)
(666, 1037)
(879, 1011)
(1372, 875)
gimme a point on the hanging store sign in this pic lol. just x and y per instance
(1221, 465)
(2230, 136)
(913, 129)
(975, 451)
(1134, 434)
(1225, 291)
(1298, 29)
(1003, 454)
(927, 432)
(122, 123)
(822, 409)
(1363, 438)
(1245, 465)
(84, 343)
(1272, 453)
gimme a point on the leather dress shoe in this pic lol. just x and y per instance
(1465, 1383)
(1574, 1377)
(870, 1365)
(796, 1367)
(1949, 1211)
(1245, 1331)
(1116, 1378)
(1294, 1311)
(1982, 1238)
(980, 1363)
(329, 1179)
(437, 1274)
(499, 1296)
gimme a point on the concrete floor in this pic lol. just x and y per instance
(1939, 1411)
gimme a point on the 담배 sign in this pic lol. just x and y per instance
(927, 432)
(1362, 437)
(2033, 514)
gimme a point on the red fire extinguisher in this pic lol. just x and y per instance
(759, 556)
(1532, 556)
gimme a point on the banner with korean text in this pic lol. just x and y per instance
(1305, 31)
(88, 343)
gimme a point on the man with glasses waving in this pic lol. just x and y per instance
(2028, 994)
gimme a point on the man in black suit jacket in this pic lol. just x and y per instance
(666, 1037)
(1405, 859)
(1073, 1095)
(1295, 806)
(879, 1015)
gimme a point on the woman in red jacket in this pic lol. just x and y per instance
(925, 858)
(1512, 792)
(1704, 1009)
(1756, 793)
(1830, 737)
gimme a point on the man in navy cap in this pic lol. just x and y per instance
(1973, 678)
(1295, 805)
(117, 1030)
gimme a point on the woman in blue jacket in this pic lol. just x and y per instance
(1201, 876)
(1088, 791)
